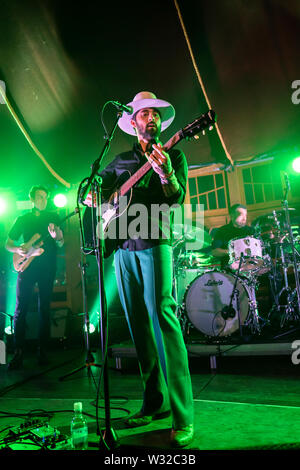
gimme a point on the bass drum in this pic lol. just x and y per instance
(207, 295)
(183, 280)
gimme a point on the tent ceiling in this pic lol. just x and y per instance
(61, 61)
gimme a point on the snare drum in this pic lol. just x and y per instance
(206, 297)
(252, 251)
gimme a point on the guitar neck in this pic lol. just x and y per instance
(147, 166)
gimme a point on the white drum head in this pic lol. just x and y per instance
(205, 298)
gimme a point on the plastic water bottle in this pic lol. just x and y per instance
(79, 429)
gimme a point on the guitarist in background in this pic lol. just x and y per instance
(41, 270)
(144, 270)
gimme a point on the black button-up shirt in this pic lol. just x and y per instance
(156, 227)
(29, 224)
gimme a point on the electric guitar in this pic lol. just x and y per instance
(33, 247)
(112, 205)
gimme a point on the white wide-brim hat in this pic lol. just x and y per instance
(146, 99)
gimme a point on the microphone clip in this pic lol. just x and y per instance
(122, 107)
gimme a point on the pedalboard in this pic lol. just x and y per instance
(35, 435)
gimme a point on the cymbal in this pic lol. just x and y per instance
(188, 233)
(266, 219)
(194, 255)
(280, 213)
(195, 259)
(283, 210)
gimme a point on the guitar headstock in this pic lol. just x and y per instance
(205, 121)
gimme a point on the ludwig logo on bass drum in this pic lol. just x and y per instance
(213, 283)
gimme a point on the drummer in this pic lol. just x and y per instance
(236, 228)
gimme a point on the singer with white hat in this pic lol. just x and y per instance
(144, 268)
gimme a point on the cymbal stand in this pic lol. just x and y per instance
(288, 309)
(285, 289)
(293, 296)
(292, 242)
(274, 289)
(254, 318)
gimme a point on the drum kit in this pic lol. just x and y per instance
(221, 303)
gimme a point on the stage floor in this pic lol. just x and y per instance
(250, 400)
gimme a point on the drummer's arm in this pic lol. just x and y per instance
(219, 252)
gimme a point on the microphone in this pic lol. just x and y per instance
(123, 107)
(228, 312)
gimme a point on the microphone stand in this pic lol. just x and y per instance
(89, 361)
(109, 438)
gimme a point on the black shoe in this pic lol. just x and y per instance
(140, 419)
(16, 362)
(42, 358)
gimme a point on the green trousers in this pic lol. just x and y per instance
(144, 281)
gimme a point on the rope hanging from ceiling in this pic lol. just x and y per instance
(200, 80)
(29, 140)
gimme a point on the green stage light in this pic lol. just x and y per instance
(9, 330)
(3, 205)
(60, 200)
(296, 165)
(92, 328)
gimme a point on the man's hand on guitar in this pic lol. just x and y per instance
(21, 250)
(160, 161)
(55, 232)
(89, 200)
